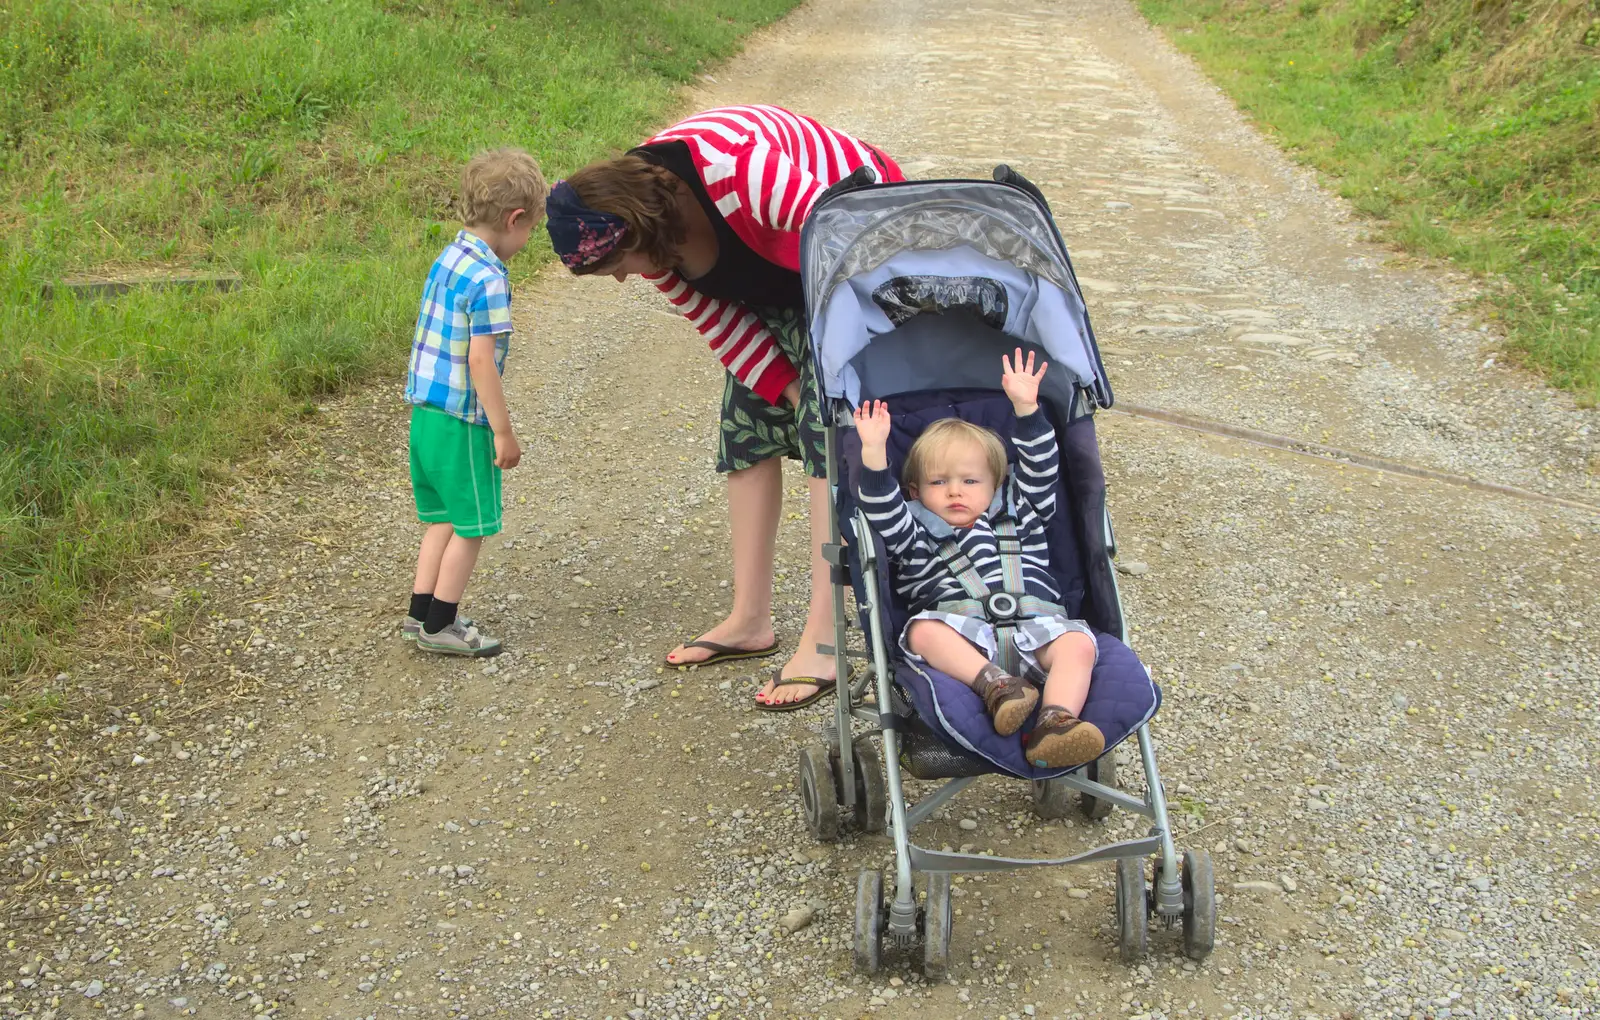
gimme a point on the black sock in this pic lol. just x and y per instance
(440, 615)
(419, 606)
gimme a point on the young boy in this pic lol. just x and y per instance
(954, 475)
(461, 435)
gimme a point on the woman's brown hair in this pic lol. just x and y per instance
(645, 196)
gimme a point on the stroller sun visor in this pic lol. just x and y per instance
(982, 304)
(922, 284)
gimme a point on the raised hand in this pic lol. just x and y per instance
(1021, 382)
(872, 425)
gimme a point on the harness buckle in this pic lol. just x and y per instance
(1002, 607)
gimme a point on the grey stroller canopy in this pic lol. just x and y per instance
(985, 256)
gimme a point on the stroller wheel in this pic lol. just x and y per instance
(871, 790)
(818, 795)
(1103, 771)
(869, 920)
(1052, 799)
(1199, 905)
(936, 928)
(1133, 910)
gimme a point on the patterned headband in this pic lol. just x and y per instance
(580, 235)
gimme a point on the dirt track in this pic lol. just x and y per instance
(1375, 684)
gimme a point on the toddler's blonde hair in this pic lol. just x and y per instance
(936, 441)
(498, 182)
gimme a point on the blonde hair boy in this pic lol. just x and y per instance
(955, 471)
(933, 448)
(461, 434)
(498, 182)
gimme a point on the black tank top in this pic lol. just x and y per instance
(740, 275)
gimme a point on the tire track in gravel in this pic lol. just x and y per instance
(1372, 684)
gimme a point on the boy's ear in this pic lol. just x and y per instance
(516, 217)
(911, 490)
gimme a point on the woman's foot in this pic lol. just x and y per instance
(806, 662)
(726, 633)
(1008, 699)
(1061, 740)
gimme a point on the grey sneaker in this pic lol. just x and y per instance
(410, 627)
(460, 638)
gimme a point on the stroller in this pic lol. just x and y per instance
(913, 292)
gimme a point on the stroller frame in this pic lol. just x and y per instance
(843, 789)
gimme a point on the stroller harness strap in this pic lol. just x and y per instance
(1003, 609)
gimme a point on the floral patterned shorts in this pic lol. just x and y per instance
(753, 430)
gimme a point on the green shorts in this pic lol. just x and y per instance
(453, 476)
(753, 430)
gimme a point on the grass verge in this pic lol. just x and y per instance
(309, 146)
(1471, 127)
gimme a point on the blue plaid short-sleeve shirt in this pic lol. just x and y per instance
(467, 295)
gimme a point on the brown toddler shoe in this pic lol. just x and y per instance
(1061, 740)
(1008, 699)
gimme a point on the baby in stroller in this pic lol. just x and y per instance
(914, 290)
(967, 531)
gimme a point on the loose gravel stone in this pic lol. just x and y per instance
(796, 919)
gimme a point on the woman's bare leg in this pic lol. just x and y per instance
(755, 500)
(807, 661)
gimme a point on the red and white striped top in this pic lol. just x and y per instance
(764, 167)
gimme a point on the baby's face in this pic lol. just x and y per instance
(959, 488)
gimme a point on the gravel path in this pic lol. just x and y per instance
(1381, 691)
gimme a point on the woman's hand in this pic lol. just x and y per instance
(872, 425)
(791, 395)
(1021, 383)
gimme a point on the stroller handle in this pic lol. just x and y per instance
(1003, 174)
(860, 177)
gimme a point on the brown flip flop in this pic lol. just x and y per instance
(823, 688)
(721, 653)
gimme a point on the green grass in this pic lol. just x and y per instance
(1471, 127)
(311, 146)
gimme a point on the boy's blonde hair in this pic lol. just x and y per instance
(498, 182)
(937, 439)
